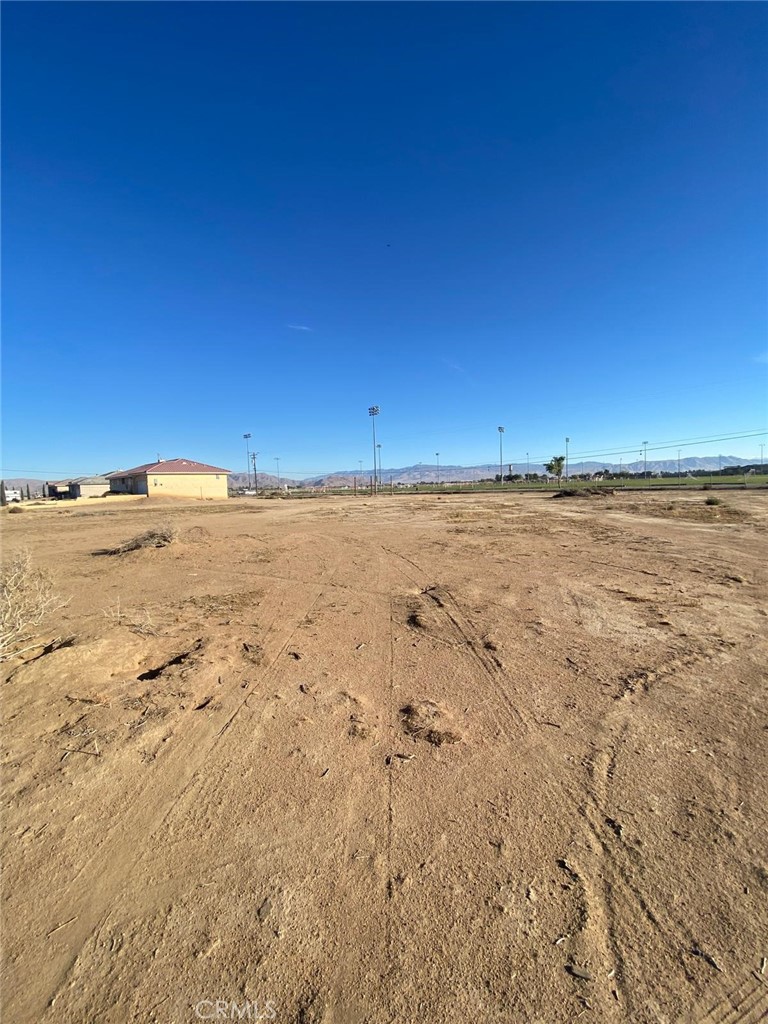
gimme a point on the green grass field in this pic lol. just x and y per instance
(715, 481)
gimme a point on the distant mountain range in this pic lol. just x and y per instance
(428, 473)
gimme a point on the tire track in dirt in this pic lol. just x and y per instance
(616, 876)
(345, 1005)
(745, 1004)
(189, 756)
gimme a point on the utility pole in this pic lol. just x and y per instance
(679, 480)
(527, 467)
(645, 461)
(501, 457)
(437, 456)
(277, 460)
(255, 474)
(567, 442)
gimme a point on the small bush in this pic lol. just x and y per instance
(27, 596)
(15, 509)
(159, 537)
(711, 500)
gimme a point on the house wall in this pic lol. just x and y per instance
(188, 485)
(128, 485)
(91, 489)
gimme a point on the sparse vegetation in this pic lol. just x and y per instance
(712, 500)
(27, 596)
(15, 509)
(138, 621)
(158, 537)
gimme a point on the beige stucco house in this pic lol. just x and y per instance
(177, 478)
(81, 487)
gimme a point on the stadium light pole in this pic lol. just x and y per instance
(437, 456)
(645, 461)
(378, 449)
(277, 460)
(254, 456)
(567, 442)
(501, 457)
(373, 412)
(246, 438)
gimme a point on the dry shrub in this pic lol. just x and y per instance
(138, 621)
(158, 537)
(15, 509)
(27, 596)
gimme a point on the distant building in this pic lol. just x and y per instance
(80, 487)
(180, 478)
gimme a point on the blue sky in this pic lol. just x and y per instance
(222, 218)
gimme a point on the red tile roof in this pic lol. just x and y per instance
(169, 466)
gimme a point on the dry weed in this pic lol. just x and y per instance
(27, 596)
(138, 621)
(158, 537)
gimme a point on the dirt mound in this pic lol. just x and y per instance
(425, 721)
(584, 492)
(196, 535)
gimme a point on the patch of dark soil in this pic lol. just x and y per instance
(426, 721)
(415, 620)
(179, 659)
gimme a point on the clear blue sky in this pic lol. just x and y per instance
(234, 217)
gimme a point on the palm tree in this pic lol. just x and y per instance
(555, 467)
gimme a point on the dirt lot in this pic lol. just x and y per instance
(412, 759)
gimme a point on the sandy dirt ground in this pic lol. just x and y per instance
(406, 759)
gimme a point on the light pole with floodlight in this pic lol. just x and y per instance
(246, 438)
(378, 449)
(373, 412)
